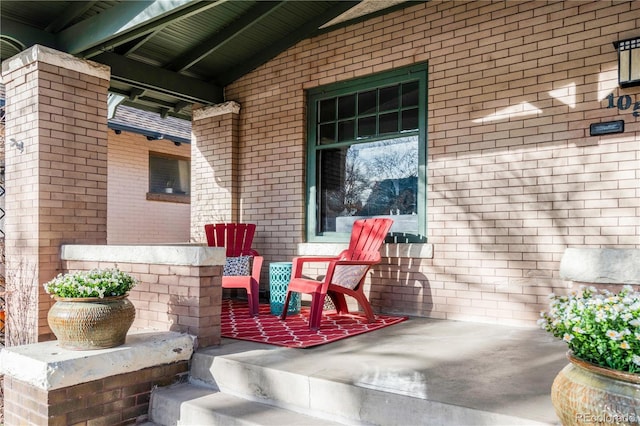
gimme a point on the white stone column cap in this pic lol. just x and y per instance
(166, 254)
(214, 110)
(39, 53)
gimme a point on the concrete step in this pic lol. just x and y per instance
(302, 381)
(422, 371)
(193, 405)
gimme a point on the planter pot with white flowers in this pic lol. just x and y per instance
(91, 309)
(601, 383)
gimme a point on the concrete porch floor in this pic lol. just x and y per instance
(470, 373)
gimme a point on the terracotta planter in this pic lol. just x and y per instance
(92, 322)
(584, 393)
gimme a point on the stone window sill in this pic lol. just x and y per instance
(404, 250)
(169, 198)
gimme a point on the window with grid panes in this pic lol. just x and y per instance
(366, 154)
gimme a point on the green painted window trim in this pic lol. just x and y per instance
(417, 72)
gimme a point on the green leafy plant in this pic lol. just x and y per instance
(95, 283)
(599, 326)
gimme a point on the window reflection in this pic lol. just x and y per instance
(369, 179)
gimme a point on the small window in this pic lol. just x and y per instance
(169, 175)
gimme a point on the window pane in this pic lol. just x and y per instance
(389, 98)
(410, 119)
(366, 127)
(389, 123)
(327, 110)
(346, 130)
(410, 94)
(169, 175)
(346, 107)
(367, 102)
(369, 179)
(327, 133)
(331, 197)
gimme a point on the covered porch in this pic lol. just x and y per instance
(509, 175)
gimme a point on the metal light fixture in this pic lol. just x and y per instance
(18, 145)
(628, 62)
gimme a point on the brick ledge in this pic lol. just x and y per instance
(47, 366)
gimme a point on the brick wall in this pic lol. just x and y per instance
(117, 400)
(131, 218)
(513, 176)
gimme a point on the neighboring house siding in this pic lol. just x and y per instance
(505, 196)
(130, 217)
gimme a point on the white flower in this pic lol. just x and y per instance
(626, 316)
(613, 335)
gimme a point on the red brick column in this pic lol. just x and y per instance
(214, 167)
(120, 399)
(56, 173)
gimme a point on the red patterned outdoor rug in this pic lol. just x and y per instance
(294, 332)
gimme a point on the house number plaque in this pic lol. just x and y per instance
(606, 128)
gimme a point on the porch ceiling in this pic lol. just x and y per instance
(166, 55)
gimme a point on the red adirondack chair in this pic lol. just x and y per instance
(345, 274)
(243, 265)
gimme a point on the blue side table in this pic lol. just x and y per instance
(279, 277)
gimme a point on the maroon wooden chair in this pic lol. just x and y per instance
(243, 264)
(345, 274)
